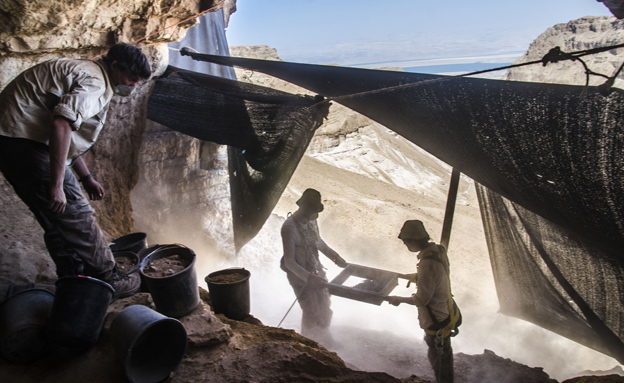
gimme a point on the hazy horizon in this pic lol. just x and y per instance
(364, 33)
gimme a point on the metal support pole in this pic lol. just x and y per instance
(450, 208)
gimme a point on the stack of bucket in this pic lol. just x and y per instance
(150, 344)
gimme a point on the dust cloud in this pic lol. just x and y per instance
(361, 220)
(391, 335)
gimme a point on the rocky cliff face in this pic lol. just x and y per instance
(577, 35)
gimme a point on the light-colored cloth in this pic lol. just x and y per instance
(433, 286)
(78, 90)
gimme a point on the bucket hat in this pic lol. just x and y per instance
(413, 229)
(311, 198)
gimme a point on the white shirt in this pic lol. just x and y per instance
(78, 90)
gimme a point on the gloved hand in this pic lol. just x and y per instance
(394, 300)
(412, 278)
(316, 281)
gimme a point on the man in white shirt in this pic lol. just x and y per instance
(50, 115)
(302, 243)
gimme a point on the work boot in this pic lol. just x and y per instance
(125, 285)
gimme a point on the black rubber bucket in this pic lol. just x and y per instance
(23, 322)
(177, 294)
(133, 242)
(79, 310)
(149, 345)
(229, 292)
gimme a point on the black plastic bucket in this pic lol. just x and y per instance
(23, 322)
(149, 345)
(229, 293)
(127, 261)
(133, 242)
(177, 294)
(142, 254)
(79, 310)
(148, 250)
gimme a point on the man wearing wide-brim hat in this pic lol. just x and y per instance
(431, 297)
(302, 243)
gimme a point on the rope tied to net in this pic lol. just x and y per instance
(553, 56)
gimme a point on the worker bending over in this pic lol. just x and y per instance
(50, 115)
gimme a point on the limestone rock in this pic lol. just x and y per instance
(263, 52)
(47, 26)
(576, 35)
(203, 329)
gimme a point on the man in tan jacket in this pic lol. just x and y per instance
(431, 297)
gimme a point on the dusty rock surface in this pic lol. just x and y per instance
(219, 350)
(224, 350)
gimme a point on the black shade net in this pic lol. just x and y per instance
(267, 132)
(551, 150)
(548, 276)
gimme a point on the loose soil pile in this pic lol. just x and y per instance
(227, 278)
(125, 263)
(369, 285)
(166, 266)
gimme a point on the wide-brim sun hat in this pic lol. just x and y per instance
(311, 199)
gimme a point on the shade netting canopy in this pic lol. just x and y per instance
(550, 165)
(267, 132)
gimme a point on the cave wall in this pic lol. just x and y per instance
(32, 31)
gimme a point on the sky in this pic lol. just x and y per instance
(401, 33)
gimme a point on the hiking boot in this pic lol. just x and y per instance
(125, 285)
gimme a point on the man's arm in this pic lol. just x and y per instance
(331, 253)
(60, 138)
(426, 277)
(93, 188)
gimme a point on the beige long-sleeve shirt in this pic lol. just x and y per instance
(432, 286)
(78, 90)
